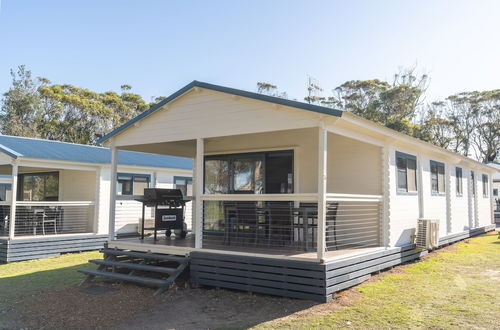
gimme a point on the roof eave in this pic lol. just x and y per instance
(228, 90)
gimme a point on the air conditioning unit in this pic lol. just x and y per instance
(427, 234)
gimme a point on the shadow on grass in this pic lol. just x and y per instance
(16, 287)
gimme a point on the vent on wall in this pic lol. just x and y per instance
(427, 234)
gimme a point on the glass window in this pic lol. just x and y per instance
(485, 185)
(437, 178)
(495, 192)
(458, 178)
(185, 184)
(250, 173)
(406, 172)
(131, 184)
(39, 187)
(5, 189)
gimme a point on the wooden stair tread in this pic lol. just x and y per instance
(130, 278)
(135, 266)
(145, 255)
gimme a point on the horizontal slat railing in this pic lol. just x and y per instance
(353, 221)
(49, 218)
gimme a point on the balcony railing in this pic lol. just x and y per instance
(289, 222)
(48, 218)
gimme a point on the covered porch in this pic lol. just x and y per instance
(311, 194)
(45, 200)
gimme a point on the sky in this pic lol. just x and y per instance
(160, 46)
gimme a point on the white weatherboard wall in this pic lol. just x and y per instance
(404, 210)
(484, 202)
(404, 207)
(434, 205)
(459, 204)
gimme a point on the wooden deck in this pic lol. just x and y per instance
(186, 246)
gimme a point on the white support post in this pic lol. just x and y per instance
(198, 214)
(97, 204)
(386, 193)
(470, 203)
(13, 200)
(448, 169)
(112, 192)
(420, 186)
(322, 178)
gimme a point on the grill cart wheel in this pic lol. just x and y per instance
(168, 233)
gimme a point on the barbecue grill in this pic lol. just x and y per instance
(169, 209)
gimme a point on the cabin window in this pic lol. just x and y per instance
(5, 189)
(39, 187)
(185, 184)
(495, 192)
(472, 177)
(250, 173)
(132, 184)
(459, 181)
(406, 173)
(437, 178)
(485, 185)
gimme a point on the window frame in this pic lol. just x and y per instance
(438, 164)
(473, 181)
(401, 191)
(133, 175)
(21, 176)
(231, 157)
(459, 181)
(485, 185)
(187, 178)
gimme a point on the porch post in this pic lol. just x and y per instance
(448, 168)
(322, 177)
(112, 192)
(198, 225)
(13, 200)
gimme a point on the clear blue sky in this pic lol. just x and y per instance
(159, 46)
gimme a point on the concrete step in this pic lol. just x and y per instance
(134, 266)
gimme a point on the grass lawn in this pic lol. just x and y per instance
(458, 287)
(19, 279)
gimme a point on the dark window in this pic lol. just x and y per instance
(39, 187)
(131, 184)
(495, 192)
(437, 178)
(406, 172)
(485, 185)
(250, 173)
(458, 178)
(185, 184)
(5, 189)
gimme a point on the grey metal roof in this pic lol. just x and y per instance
(228, 90)
(16, 146)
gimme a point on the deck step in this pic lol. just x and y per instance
(129, 278)
(145, 255)
(134, 266)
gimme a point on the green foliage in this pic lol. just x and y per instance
(37, 108)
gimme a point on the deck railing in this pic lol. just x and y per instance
(48, 218)
(289, 222)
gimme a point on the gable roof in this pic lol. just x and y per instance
(17, 147)
(228, 90)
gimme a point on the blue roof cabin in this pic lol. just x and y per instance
(58, 194)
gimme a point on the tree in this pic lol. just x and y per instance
(64, 112)
(270, 89)
(21, 109)
(394, 105)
